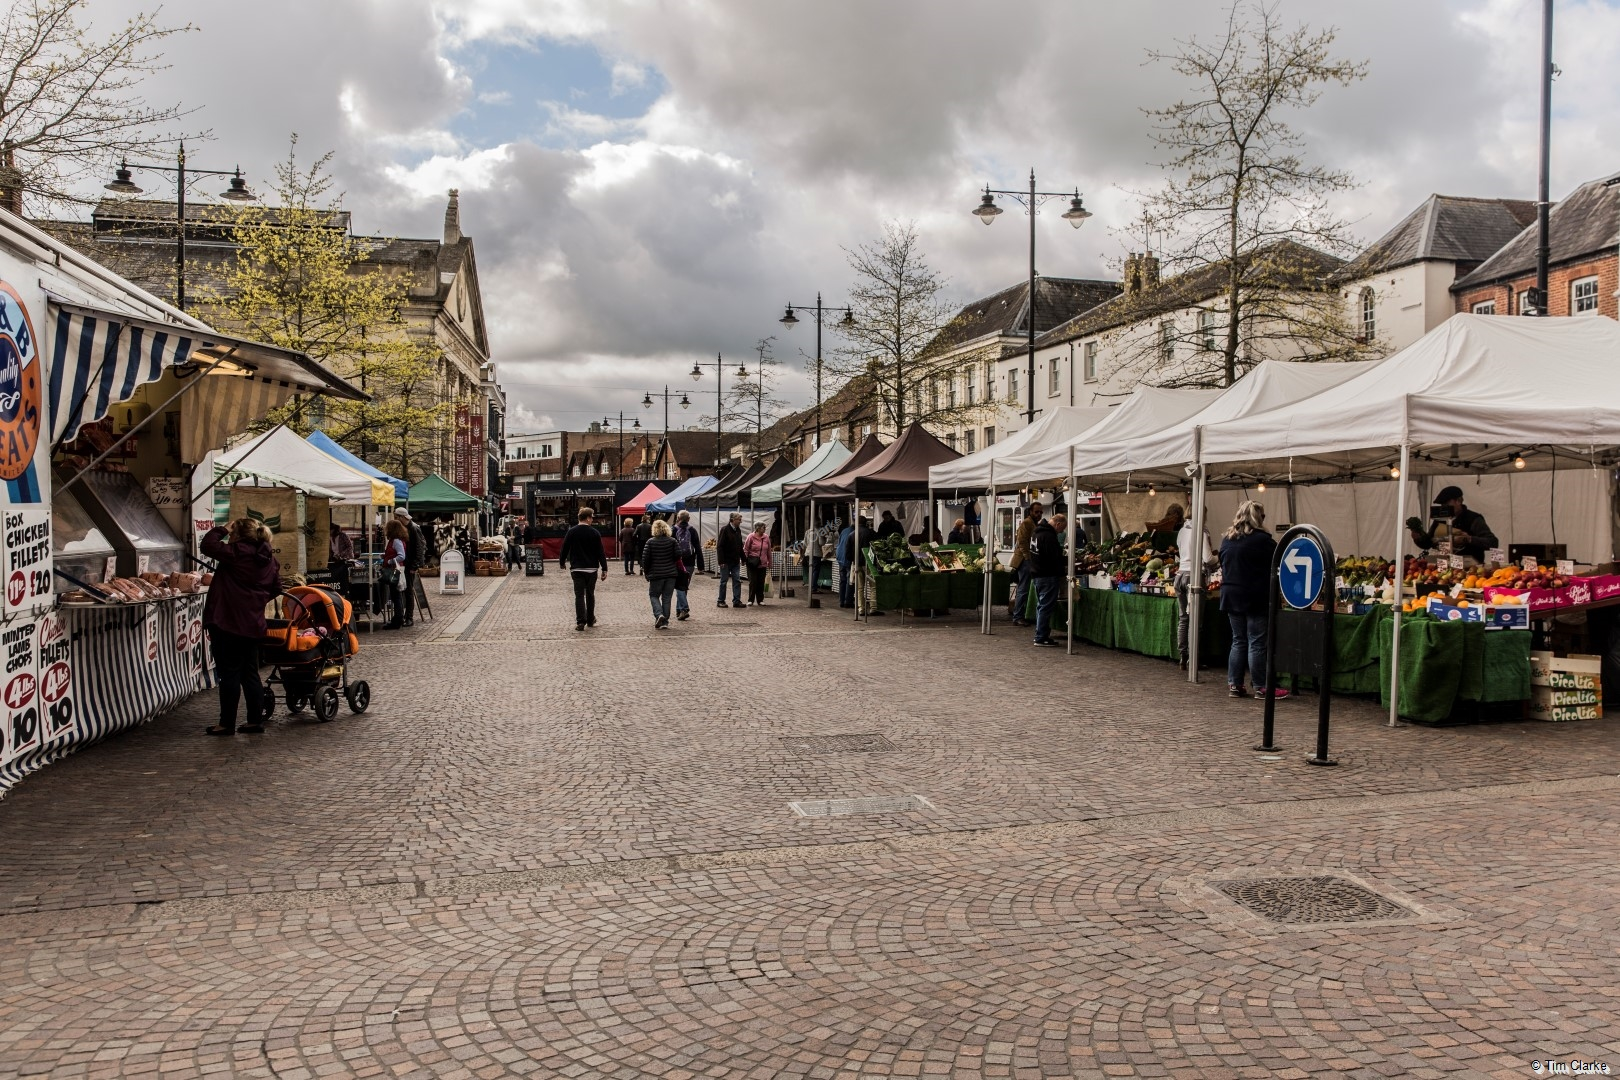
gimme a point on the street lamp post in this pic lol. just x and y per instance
(647, 402)
(1031, 200)
(122, 184)
(719, 399)
(608, 422)
(790, 320)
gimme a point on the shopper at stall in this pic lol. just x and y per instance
(1246, 551)
(643, 534)
(627, 544)
(844, 555)
(959, 532)
(1466, 529)
(757, 554)
(246, 577)
(1163, 532)
(728, 556)
(888, 526)
(814, 538)
(1046, 573)
(690, 550)
(415, 553)
(1188, 549)
(1020, 559)
(586, 557)
(396, 556)
(660, 565)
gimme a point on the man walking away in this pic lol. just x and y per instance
(1190, 548)
(643, 534)
(1045, 564)
(1020, 563)
(415, 547)
(690, 551)
(728, 556)
(627, 545)
(660, 565)
(583, 553)
(845, 555)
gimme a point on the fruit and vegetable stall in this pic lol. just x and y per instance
(931, 577)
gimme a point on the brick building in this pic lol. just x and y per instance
(1583, 235)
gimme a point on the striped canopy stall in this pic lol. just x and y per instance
(101, 356)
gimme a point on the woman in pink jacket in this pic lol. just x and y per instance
(757, 555)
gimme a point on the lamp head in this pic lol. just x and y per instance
(684, 402)
(696, 373)
(742, 371)
(1077, 213)
(122, 184)
(790, 320)
(988, 209)
(238, 191)
(646, 401)
(848, 319)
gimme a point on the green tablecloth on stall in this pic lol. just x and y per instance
(1442, 663)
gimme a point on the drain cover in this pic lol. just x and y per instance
(889, 804)
(837, 744)
(1311, 901)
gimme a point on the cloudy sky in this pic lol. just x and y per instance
(648, 181)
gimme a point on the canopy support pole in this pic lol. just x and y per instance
(855, 551)
(1400, 562)
(987, 523)
(1195, 583)
(1068, 549)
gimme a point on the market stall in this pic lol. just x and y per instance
(676, 500)
(828, 458)
(637, 506)
(323, 442)
(435, 503)
(109, 399)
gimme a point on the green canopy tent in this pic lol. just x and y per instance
(433, 494)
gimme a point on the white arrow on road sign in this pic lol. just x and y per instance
(1301, 572)
(1299, 563)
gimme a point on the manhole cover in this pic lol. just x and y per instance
(889, 804)
(1311, 900)
(837, 744)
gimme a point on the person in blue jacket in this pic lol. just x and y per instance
(1246, 551)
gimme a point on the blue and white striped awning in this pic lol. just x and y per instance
(100, 357)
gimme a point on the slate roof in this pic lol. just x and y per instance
(1586, 223)
(1006, 313)
(696, 448)
(1306, 268)
(1447, 228)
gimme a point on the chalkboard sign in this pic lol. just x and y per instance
(534, 561)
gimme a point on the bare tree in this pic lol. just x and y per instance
(895, 300)
(1244, 210)
(752, 404)
(69, 103)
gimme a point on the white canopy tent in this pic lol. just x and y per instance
(1478, 394)
(1056, 427)
(1147, 411)
(282, 450)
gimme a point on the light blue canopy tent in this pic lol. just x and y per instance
(676, 500)
(324, 443)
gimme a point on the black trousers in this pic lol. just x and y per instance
(756, 583)
(585, 597)
(236, 664)
(408, 607)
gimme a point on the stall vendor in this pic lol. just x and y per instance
(1467, 530)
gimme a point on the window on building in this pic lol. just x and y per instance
(1012, 385)
(1523, 302)
(989, 382)
(1484, 307)
(950, 392)
(1167, 340)
(1053, 377)
(950, 439)
(933, 395)
(1206, 330)
(990, 436)
(867, 430)
(1583, 296)
(968, 435)
(1090, 365)
(1369, 316)
(967, 379)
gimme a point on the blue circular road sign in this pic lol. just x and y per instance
(1302, 572)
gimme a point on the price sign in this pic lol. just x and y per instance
(1528, 562)
(1456, 562)
(1495, 557)
(112, 568)
(1444, 547)
(1338, 583)
(1566, 567)
(1456, 590)
(143, 563)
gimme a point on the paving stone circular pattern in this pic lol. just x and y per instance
(1311, 900)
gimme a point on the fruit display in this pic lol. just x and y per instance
(892, 555)
(1129, 559)
(1364, 570)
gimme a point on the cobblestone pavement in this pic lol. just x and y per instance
(552, 853)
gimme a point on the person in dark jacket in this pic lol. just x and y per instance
(627, 545)
(1464, 528)
(690, 550)
(959, 533)
(584, 554)
(643, 534)
(661, 566)
(888, 526)
(1246, 551)
(1046, 573)
(246, 577)
(728, 556)
(415, 556)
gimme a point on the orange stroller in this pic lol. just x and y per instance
(308, 647)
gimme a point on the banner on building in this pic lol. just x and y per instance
(459, 443)
(478, 458)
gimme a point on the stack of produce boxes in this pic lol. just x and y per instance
(1565, 687)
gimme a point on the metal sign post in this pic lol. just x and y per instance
(1301, 573)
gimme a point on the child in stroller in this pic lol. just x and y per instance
(308, 647)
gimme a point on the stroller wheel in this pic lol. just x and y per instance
(326, 703)
(295, 705)
(269, 701)
(359, 694)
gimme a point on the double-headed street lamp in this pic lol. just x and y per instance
(1031, 200)
(719, 366)
(238, 191)
(647, 403)
(790, 321)
(608, 422)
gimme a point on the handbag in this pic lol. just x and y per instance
(754, 563)
(826, 551)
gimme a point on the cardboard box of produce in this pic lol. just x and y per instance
(1544, 666)
(1547, 697)
(1448, 612)
(1509, 617)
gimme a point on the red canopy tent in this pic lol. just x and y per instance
(638, 505)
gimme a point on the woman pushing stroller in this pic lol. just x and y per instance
(246, 578)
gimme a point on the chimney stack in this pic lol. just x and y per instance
(1150, 270)
(1133, 275)
(452, 218)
